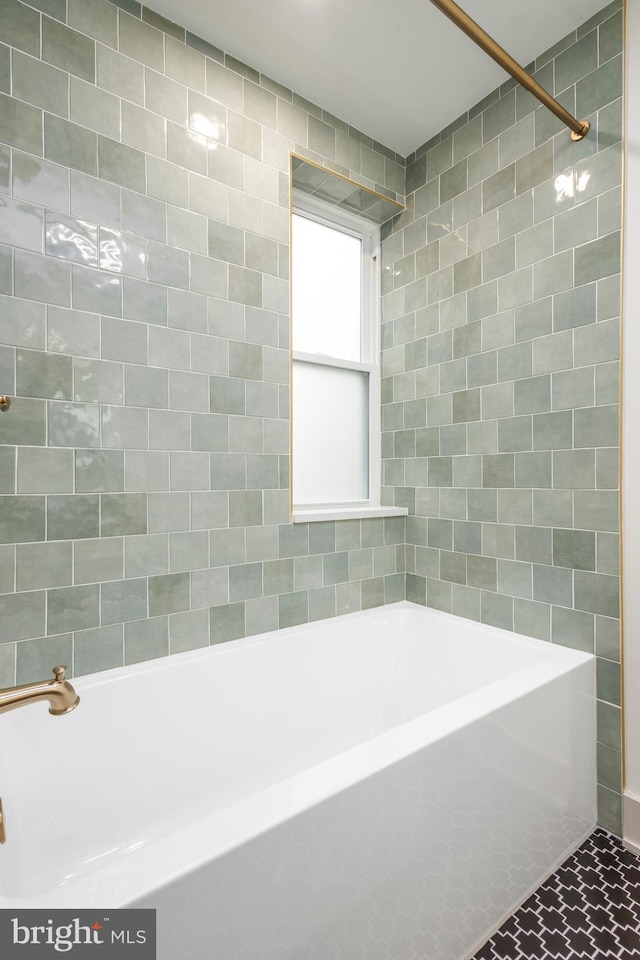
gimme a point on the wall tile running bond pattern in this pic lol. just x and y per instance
(501, 317)
(144, 301)
(144, 465)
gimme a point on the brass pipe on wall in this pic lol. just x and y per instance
(579, 128)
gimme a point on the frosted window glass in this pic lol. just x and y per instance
(326, 294)
(330, 434)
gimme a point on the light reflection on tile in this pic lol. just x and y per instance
(40, 181)
(20, 224)
(69, 331)
(123, 253)
(70, 239)
(207, 119)
(41, 278)
(97, 292)
(97, 381)
(73, 424)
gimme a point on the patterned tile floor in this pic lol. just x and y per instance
(589, 909)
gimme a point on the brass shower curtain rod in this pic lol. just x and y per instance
(579, 128)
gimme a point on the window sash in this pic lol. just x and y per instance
(333, 453)
(334, 297)
(369, 234)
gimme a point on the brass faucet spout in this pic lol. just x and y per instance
(59, 692)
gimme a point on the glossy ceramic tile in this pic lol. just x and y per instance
(524, 335)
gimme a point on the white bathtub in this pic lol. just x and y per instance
(388, 784)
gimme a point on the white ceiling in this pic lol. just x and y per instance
(399, 72)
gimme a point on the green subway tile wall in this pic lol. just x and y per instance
(501, 320)
(144, 230)
(144, 258)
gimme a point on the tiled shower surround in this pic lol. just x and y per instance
(145, 331)
(144, 337)
(501, 318)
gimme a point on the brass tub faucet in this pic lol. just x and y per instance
(59, 692)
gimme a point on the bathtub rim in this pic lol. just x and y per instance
(235, 647)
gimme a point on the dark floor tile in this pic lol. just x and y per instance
(589, 909)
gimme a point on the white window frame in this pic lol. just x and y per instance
(369, 234)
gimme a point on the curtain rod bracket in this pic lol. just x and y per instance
(585, 130)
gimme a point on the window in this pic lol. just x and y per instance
(336, 375)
